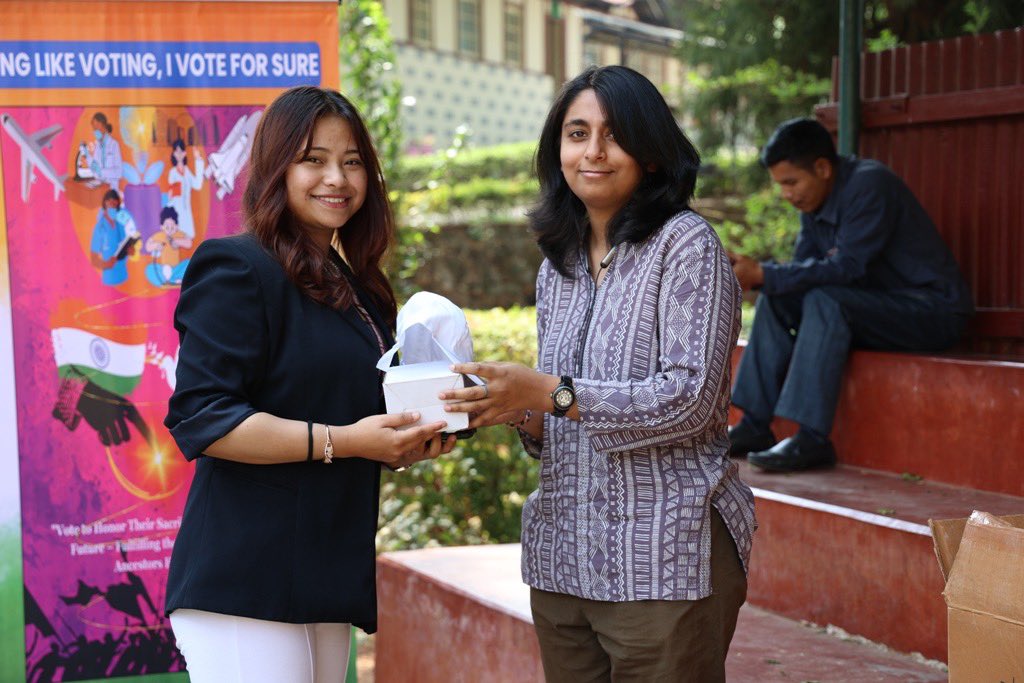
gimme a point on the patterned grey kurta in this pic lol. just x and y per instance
(622, 510)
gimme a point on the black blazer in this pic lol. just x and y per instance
(291, 542)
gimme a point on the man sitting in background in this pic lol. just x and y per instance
(869, 270)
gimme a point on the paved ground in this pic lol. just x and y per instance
(364, 657)
(770, 648)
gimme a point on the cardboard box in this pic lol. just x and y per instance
(982, 560)
(416, 386)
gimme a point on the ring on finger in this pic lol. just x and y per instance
(486, 390)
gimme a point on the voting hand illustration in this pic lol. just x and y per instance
(106, 412)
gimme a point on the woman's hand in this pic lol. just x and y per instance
(379, 438)
(439, 444)
(508, 390)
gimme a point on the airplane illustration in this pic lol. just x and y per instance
(32, 158)
(226, 163)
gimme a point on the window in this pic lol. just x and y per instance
(469, 28)
(513, 34)
(421, 16)
(591, 54)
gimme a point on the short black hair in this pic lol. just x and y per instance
(801, 142)
(168, 212)
(645, 128)
(112, 194)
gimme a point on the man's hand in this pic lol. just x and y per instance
(747, 271)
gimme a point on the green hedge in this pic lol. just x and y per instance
(769, 231)
(475, 494)
(510, 161)
(475, 193)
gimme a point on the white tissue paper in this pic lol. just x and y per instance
(431, 333)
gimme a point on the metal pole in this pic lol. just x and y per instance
(851, 20)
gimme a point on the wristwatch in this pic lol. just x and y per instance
(563, 397)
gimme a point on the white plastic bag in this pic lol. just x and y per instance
(430, 328)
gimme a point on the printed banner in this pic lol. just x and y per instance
(103, 200)
(78, 64)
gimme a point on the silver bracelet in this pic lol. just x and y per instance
(328, 446)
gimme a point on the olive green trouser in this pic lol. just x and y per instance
(675, 641)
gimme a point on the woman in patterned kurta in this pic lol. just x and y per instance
(636, 542)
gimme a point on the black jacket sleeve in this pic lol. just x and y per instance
(222, 327)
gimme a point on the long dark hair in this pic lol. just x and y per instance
(285, 130)
(645, 128)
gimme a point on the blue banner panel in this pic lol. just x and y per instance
(105, 64)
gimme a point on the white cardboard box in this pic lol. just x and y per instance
(416, 386)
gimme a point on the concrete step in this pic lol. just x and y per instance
(462, 614)
(851, 547)
(955, 420)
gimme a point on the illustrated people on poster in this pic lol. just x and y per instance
(113, 240)
(184, 182)
(168, 267)
(142, 192)
(83, 170)
(105, 157)
(46, 668)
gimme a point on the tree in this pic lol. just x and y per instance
(366, 57)
(757, 62)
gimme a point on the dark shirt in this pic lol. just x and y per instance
(290, 542)
(871, 233)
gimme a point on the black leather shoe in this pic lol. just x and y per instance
(794, 454)
(745, 438)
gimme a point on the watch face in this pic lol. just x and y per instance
(563, 398)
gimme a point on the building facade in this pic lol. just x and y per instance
(493, 66)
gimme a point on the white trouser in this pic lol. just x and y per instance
(220, 648)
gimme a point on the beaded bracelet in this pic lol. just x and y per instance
(522, 423)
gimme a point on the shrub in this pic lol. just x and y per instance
(475, 494)
(726, 176)
(366, 51)
(508, 161)
(770, 230)
(476, 193)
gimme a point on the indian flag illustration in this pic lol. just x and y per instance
(111, 356)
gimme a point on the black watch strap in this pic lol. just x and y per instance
(563, 397)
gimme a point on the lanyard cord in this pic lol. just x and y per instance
(581, 342)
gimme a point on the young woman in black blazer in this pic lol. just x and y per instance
(278, 402)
